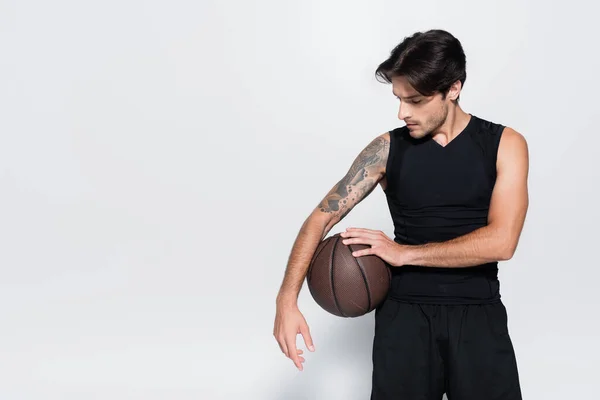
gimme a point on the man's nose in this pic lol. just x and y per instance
(403, 112)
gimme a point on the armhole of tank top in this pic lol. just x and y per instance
(390, 160)
(497, 138)
(498, 130)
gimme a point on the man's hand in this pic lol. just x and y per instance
(290, 322)
(381, 245)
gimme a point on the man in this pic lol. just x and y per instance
(456, 187)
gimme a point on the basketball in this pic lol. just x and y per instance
(344, 285)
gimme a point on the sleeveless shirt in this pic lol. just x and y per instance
(436, 193)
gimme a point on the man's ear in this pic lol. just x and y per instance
(454, 91)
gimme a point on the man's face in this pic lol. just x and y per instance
(422, 114)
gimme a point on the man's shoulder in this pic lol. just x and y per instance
(511, 137)
(496, 139)
(498, 133)
(487, 126)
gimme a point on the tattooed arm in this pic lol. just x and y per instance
(367, 170)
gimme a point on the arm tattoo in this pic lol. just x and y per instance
(359, 181)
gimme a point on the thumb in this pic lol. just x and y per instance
(305, 331)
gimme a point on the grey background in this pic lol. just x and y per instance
(158, 158)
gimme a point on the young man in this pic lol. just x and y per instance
(456, 187)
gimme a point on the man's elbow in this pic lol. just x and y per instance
(506, 250)
(324, 221)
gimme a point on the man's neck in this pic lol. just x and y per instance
(456, 121)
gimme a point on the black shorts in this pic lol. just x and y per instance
(421, 351)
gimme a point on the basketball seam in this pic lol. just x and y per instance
(331, 264)
(364, 276)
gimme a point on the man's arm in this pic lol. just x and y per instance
(365, 173)
(498, 240)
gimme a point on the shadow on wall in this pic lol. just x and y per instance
(339, 369)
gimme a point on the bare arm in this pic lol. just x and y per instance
(498, 240)
(366, 172)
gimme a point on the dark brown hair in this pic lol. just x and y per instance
(431, 61)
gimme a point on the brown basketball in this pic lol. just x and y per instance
(345, 285)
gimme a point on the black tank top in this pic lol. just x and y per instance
(438, 193)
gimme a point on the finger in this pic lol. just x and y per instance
(357, 240)
(305, 331)
(354, 234)
(291, 345)
(282, 346)
(364, 252)
(300, 351)
(360, 230)
(362, 234)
